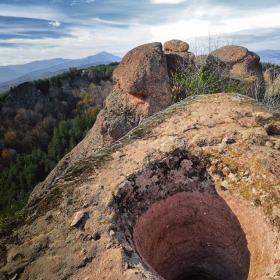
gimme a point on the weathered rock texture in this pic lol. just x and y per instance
(189, 191)
(241, 64)
(142, 89)
(274, 88)
(176, 46)
(177, 55)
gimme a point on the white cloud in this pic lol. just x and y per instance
(166, 1)
(54, 23)
(84, 41)
(28, 11)
(98, 20)
(200, 21)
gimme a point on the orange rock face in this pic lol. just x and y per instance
(230, 54)
(241, 65)
(176, 46)
(143, 72)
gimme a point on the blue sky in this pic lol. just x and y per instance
(36, 30)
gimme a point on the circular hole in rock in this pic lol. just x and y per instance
(191, 236)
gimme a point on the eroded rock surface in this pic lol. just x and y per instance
(189, 191)
(177, 56)
(241, 64)
(271, 74)
(274, 88)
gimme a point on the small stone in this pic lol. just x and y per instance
(112, 233)
(277, 145)
(224, 185)
(77, 218)
(269, 144)
(228, 140)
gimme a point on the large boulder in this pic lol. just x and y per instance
(240, 64)
(142, 89)
(143, 73)
(187, 193)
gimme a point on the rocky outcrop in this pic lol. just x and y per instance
(176, 46)
(175, 197)
(177, 55)
(242, 65)
(143, 74)
(142, 89)
(274, 88)
(271, 74)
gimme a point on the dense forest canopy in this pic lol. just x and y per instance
(33, 138)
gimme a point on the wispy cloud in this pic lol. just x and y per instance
(82, 27)
(166, 1)
(29, 11)
(54, 23)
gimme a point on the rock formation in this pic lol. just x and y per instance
(176, 196)
(271, 74)
(240, 64)
(142, 89)
(185, 192)
(177, 55)
(274, 88)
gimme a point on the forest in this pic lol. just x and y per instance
(34, 138)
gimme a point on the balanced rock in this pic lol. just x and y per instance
(189, 192)
(142, 72)
(176, 46)
(177, 55)
(240, 64)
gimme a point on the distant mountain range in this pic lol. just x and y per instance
(271, 56)
(13, 75)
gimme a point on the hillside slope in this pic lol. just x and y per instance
(15, 74)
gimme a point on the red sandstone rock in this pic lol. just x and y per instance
(177, 56)
(241, 65)
(176, 46)
(274, 88)
(143, 72)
